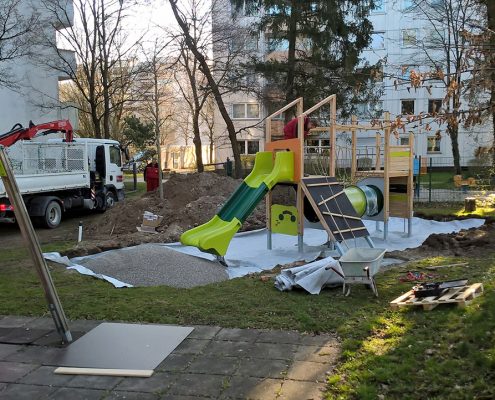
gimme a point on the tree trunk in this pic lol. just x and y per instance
(490, 10)
(197, 143)
(205, 69)
(453, 130)
(211, 150)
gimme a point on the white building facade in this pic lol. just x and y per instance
(396, 31)
(35, 92)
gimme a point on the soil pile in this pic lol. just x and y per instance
(189, 200)
(473, 241)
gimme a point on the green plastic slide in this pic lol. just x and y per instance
(215, 236)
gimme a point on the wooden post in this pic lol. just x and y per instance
(268, 198)
(410, 185)
(300, 194)
(333, 139)
(354, 153)
(31, 240)
(378, 140)
(386, 177)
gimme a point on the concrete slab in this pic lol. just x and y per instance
(260, 368)
(238, 335)
(214, 365)
(44, 376)
(78, 394)
(176, 362)
(308, 371)
(288, 337)
(229, 349)
(319, 340)
(191, 346)
(23, 335)
(35, 355)
(16, 391)
(8, 349)
(301, 391)
(15, 321)
(199, 385)
(253, 389)
(120, 395)
(320, 354)
(13, 371)
(94, 382)
(273, 351)
(158, 383)
(53, 339)
(204, 332)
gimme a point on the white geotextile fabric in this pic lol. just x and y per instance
(247, 252)
(56, 257)
(311, 277)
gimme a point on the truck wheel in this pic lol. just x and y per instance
(110, 199)
(53, 215)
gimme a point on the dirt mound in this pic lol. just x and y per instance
(190, 200)
(465, 242)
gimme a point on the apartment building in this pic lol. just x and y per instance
(397, 30)
(35, 93)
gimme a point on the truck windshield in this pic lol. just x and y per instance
(115, 157)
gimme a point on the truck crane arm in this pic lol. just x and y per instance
(18, 132)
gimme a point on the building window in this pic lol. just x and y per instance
(245, 111)
(248, 146)
(175, 160)
(404, 141)
(377, 40)
(369, 110)
(379, 6)
(276, 44)
(434, 106)
(244, 42)
(408, 37)
(248, 9)
(407, 107)
(433, 145)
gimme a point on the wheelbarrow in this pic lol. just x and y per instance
(360, 265)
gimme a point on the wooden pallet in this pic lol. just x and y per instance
(460, 296)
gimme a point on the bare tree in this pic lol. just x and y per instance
(445, 52)
(157, 105)
(200, 10)
(105, 62)
(17, 26)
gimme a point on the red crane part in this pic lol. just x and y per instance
(19, 133)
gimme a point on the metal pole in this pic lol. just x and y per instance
(134, 175)
(33, 245)
(429, 188)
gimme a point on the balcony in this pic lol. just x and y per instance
(69, 57)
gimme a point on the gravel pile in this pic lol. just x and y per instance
(155, 265)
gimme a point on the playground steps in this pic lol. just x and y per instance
(459, 296)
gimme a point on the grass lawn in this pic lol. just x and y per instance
(452, 209)
(439, 180)
(447, 353)
(129, 186)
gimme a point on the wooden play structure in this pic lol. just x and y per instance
(382, 191)
(390, 176)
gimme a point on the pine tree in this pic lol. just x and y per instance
(313, 49)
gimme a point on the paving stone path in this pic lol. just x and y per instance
(211, 363)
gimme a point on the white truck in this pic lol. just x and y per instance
(55, 175)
